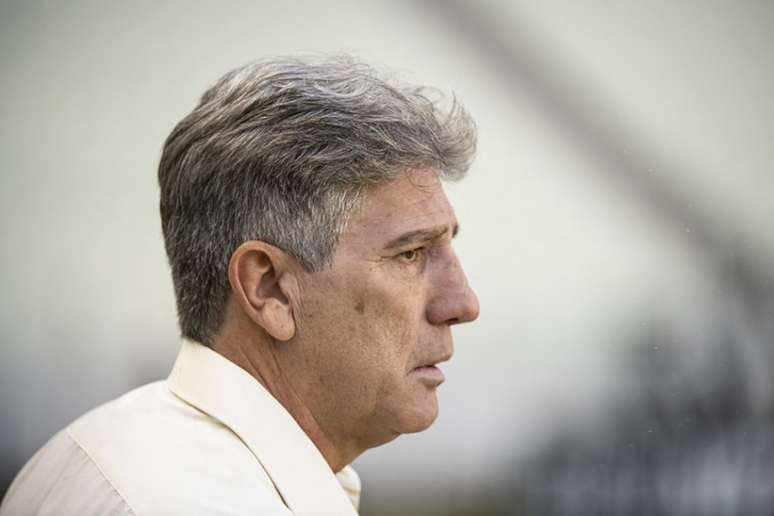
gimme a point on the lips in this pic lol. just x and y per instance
(433, 362)
(429, 375)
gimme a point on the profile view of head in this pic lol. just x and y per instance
(310, 243)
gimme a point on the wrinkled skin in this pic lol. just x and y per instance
(359, 368)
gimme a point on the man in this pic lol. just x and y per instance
(310, 245)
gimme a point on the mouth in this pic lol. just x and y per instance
(430, 372)
(437, 359)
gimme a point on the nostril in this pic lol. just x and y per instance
(452, 308)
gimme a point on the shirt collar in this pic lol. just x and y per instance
(225, 391)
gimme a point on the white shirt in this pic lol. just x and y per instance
(208, 440)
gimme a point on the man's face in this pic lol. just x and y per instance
(373, 326)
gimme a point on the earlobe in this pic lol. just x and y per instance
(288, 285)
(261, 282)
(283, 324)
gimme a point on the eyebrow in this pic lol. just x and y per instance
(421, 235)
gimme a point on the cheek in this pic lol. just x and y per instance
(386, 323)
(365, 330)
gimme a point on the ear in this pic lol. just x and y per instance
(263, 282)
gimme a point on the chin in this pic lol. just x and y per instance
(421, 418)
(417, 419)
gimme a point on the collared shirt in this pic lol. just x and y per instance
(208, 440)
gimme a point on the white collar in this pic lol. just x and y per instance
(228, 393)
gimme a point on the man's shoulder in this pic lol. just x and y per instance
(140, 420)
(154, 447)
(160, 455)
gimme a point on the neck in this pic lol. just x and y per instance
(258, 355)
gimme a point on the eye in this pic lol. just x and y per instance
(411, 255)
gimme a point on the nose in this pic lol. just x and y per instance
(452, 300)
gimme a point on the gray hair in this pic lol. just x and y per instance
(282, 150)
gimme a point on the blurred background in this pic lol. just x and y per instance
(617, 226)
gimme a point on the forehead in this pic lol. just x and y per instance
(412, 201)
